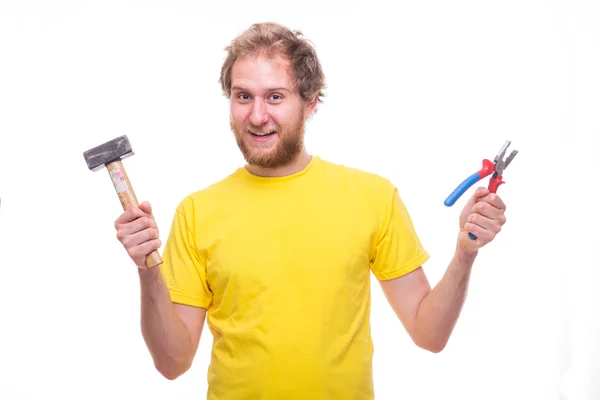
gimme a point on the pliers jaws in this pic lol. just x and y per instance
(496, 168)
(499, 160)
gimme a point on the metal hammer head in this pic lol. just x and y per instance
(113, 150)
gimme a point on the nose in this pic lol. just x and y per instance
(259, 115)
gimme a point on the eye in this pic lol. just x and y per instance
(276, 97)
(243, 96)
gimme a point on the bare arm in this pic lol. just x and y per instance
(429, 316)
(171, 331)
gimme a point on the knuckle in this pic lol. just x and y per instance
(136, 213)
(150, 233)
(126, 241)
(146, 222)
(151, 245)
(131, 251)
(136, 252)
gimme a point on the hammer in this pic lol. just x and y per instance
(110, 155)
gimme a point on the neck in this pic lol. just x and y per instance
(296, 165)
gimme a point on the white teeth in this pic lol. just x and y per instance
(261, 133)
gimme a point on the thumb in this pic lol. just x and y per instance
(468, 208)
(146, 207)
(479, 193)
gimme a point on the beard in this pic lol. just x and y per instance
(289, 144)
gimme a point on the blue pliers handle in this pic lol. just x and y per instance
(470, 181)
(496, 167)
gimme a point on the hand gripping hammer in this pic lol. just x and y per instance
(110, 155)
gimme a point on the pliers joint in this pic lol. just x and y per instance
(495, 168)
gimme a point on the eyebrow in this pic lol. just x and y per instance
(268, 89)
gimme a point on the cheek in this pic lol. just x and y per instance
(238, 114)
(283, 116)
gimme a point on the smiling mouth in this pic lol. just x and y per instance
(262, 134)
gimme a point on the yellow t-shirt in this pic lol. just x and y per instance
(283, 267)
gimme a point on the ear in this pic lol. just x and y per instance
(311, 105)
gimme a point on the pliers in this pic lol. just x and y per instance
(488, 168)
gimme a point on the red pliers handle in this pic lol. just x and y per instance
(495, 182)
(495, 168)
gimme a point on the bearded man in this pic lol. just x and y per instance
(276, 257)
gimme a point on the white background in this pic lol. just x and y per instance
(419, 92)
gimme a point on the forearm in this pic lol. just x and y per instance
(164, 333)
(441, 307)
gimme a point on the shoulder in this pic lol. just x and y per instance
(209, 197)
(363, 180)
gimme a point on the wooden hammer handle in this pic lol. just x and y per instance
(128, 200)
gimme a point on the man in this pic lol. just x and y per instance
(278, 255)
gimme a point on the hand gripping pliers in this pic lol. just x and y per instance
(488, 168)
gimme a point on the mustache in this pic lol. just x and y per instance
(262, 128)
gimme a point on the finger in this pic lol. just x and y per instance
(480, 193)
(129, 215)
(140, 252)
(133, 227)
(483, 235)
(487, 210)
(494, 200)
(474, 198)
(146, 207)
(139, 238)
(486, 223)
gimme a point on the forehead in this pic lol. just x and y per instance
(259, 72)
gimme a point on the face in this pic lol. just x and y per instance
(267, 113)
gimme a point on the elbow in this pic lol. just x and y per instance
(170, 375)
(436, 347)
(432, 345)
(172, 371)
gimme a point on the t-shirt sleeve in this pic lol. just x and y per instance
(184, 265)
(398, 250)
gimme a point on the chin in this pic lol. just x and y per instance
(262, 159)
